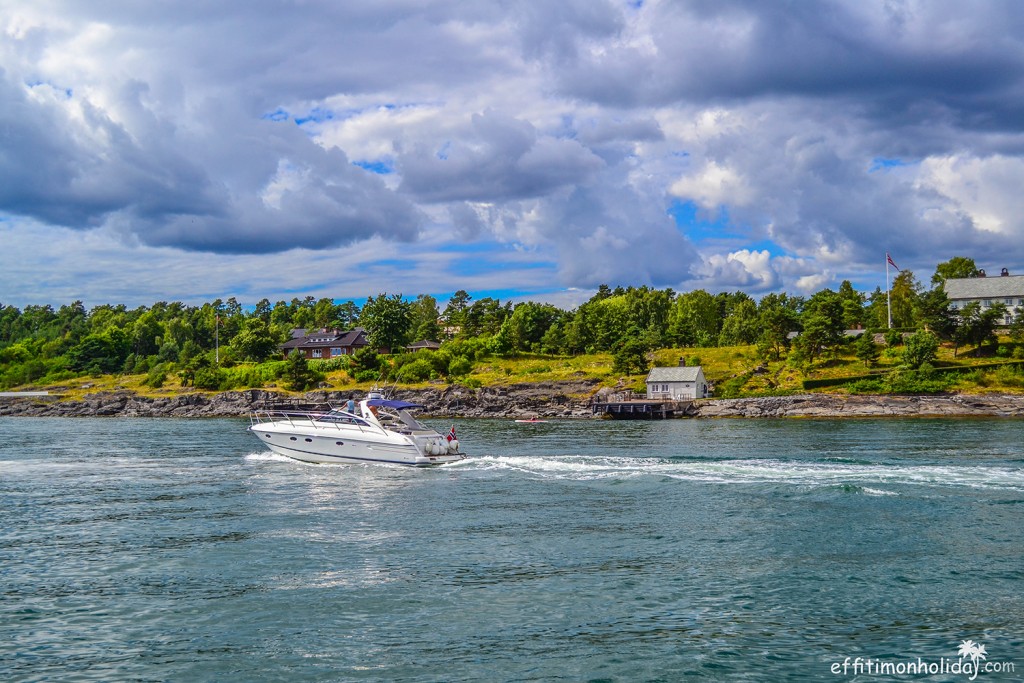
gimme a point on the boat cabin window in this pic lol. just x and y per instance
(342, 417)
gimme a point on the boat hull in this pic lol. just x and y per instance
(346, 448)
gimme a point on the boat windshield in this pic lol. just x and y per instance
(340, 416)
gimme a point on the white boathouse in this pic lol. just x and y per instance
(681, 383)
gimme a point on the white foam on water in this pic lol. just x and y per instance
(758, 471)
(878, 492)
(268, 456)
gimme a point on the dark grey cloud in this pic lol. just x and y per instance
(945, 62)
(824, 131)
(263, 187)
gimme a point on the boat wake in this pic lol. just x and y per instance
(863, 478)
(267, 456)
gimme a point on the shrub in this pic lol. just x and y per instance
(330, 364)
(416, 371)
(156, 377)
(1009, 376)
(865, 386)
(922, 381)
(367, 375)
(297, 372)
(208, 378)
(921, 349)
(459, 366)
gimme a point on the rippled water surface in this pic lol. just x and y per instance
(175, 550)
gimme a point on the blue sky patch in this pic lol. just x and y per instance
(379, 167)
(276, 115)
(316, 115)
(883, 164)
(699, 229)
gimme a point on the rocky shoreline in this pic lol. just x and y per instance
(553, 400)
(834, 405)
(549, 399)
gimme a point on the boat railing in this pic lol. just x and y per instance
(317, 420)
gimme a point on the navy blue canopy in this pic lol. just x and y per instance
(388, 403)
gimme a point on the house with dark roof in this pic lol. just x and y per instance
(680, 383)
(423, 345)
(986, 291)
(325, 343)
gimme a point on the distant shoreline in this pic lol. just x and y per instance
(555, 400)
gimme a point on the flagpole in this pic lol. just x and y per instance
(216, 332)
(888, 300)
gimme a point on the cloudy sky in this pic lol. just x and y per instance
(524, 149)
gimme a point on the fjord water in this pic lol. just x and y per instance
(180, 550)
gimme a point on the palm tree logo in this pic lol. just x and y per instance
(975, 651)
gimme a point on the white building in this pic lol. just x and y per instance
(1005, 289)
(676, 384)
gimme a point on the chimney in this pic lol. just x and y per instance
(981, 272)
(682, 362)
(1005, 272)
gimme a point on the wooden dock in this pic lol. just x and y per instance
(640, 409)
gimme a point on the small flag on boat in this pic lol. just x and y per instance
(891, 262)
(451, 434)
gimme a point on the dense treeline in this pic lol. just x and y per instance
(200, 344)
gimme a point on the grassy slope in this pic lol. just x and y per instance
(729, 368)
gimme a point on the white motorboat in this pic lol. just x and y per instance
(377, 430)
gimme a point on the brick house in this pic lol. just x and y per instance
(325, 344)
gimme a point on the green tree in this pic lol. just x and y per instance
(365, 364)
(255, 342)
(694, 319)
(741, 325)
(145, 334)
(387, 319)
(822, 322)
(956, 267)
(776, 318)
(867, 350)
(630, 356)
(977, 325)
(485, 316)
(933, 313)
(853, 306)
(819, 334)
(454, 315)
(1017, 326)
(346, 315)
(904, 296)
(100, 353)
(298, 373)
(423, 318)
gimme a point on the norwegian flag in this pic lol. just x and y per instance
(891, 262)
(451, 434)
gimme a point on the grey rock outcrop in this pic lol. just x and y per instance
(570, 399)
(548, 399)
(833, 405)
